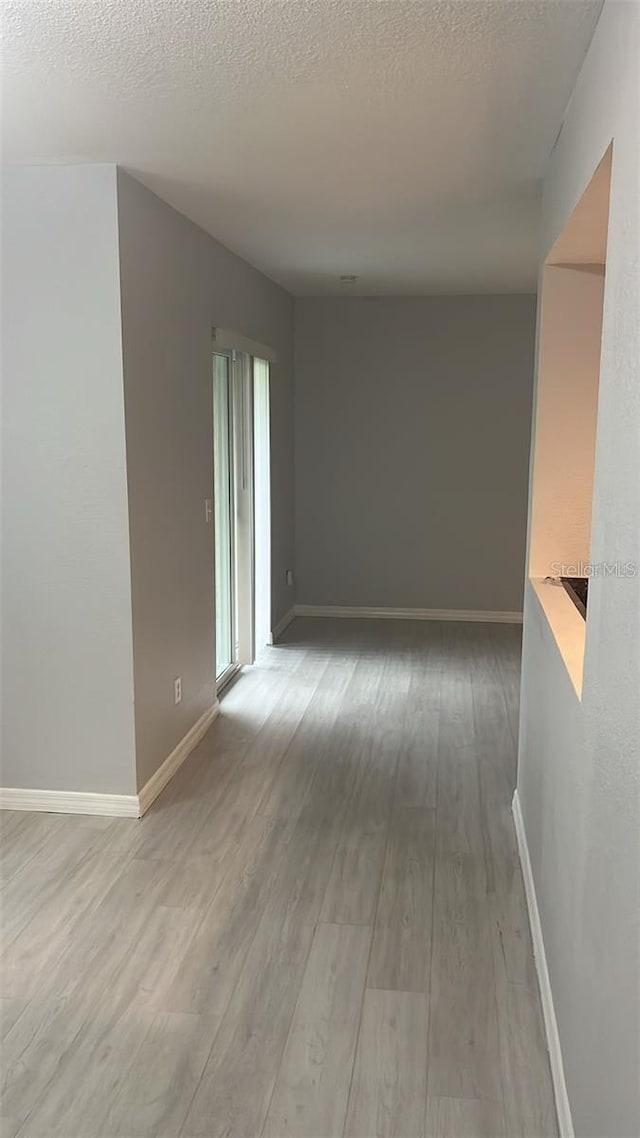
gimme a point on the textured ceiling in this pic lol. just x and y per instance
(402, 140)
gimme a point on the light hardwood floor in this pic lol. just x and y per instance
(319, 929)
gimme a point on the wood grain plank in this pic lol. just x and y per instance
(38, 884)
(353, 886)
(22, 836)
(153, 1099)
(460, 828)
(464, 1118)
(418, 760)
(528, 1092)
(401, 947)
(464, 1053)
(312, 744)
(107, 942)
(529, 1103)
(507, 644)
(33, 1052)
(311, 1092)
(11, 1008)
(214, 958)
(115, 1014)
(51, 932)
(87, 1072)
(388, 1091)
(233, 1097)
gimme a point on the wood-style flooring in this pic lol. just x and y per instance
(319, 929)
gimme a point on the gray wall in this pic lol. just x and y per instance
(108, 565)
(579, 760)
(66, 602)
(413, 419)
(176, 283)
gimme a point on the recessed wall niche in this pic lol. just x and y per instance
(569, 346)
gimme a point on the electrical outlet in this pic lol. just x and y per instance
(288, 576)
(177, 689)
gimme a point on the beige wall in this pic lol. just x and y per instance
(176, 283)
(567, 403)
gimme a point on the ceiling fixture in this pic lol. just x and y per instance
(348, 278)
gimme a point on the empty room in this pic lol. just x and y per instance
(320, 550)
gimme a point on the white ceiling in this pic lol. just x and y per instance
(402, 140)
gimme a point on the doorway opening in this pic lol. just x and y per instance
(224, 513)
(262, 503)
(242, 509)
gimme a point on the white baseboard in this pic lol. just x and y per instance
(563, 1107)
(112, 805)
(283, 623)
(480, 615)
(70, 802)
(164, 773)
